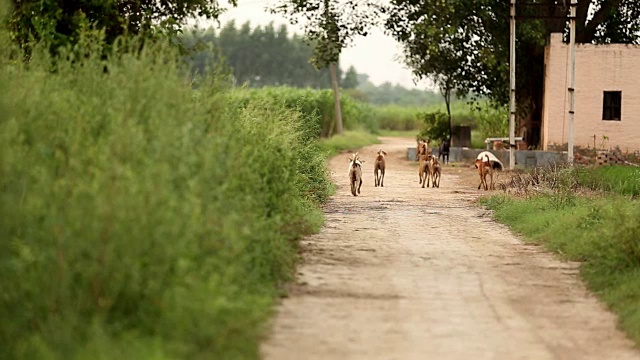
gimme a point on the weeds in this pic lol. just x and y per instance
(561, 179)
(558, 182)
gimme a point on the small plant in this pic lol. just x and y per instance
(603, 142)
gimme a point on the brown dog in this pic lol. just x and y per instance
(423, 170)
(379, 167)
(422, 149)
(485, 168)
(436, 171)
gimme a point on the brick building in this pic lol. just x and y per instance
(607, 98)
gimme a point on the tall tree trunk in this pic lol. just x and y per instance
(445, 90)
(333, 68)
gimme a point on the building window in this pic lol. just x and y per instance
(612, 105)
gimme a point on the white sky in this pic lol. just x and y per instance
(376, 55)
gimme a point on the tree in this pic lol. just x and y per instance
(350, 80)
(60, 22)
(483, 55)
(259, 56)
(437, 54)
(331, 27)
(445, 84)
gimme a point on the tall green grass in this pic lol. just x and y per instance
(623, 180)
(405, 118)
(395, 117)
(316, 105)
(140, 219)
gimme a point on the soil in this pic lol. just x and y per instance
(402, 272)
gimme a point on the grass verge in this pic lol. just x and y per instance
(603, 233)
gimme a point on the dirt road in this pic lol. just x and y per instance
(402, 272)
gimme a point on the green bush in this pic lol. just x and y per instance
(140, 219)
(435, 126)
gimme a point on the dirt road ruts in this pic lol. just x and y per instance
(402, 272)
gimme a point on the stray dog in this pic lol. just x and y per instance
(422, 148)
(444, 150)
(485, 168)
(423, 169)
(495, 163)
(436, 171)
(355, 174)
(379, 167)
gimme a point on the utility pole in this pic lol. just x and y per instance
(572, 52)
(512, 85)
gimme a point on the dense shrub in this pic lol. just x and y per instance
(140, 219)
(435, 126)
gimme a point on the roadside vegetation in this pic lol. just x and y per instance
(588, 215)
(140, 219)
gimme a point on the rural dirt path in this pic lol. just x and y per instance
(402, 272)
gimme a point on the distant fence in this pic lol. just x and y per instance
(526, 158)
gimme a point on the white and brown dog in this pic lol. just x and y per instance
(487, 163)
(355, 173)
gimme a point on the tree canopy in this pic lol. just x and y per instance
(259, 56)
(330, 25)
(60, 22)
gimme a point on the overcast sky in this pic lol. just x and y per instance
(375, 55)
